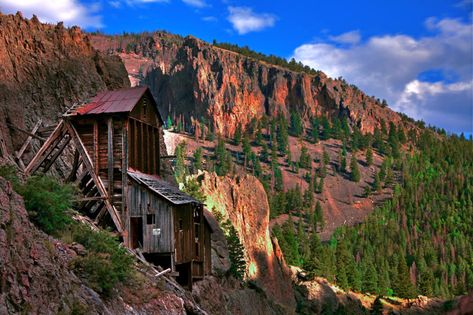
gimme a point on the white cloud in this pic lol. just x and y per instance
(389, 66)
(244, 20)
(71, 12)
(352, 37)
(196, 3)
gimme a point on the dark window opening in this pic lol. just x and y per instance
(150, 219)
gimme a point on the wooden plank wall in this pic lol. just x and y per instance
(142, 202)
(143, 142)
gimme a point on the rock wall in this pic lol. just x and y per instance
(243, 200)
(193, 79)
(44, 70)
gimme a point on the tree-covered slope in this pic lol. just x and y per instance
(419, 242)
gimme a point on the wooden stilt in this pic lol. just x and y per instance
(46, 149)
(25, 145)
(98, 182)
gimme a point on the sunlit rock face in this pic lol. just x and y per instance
(192, 79)
(44, 69)
(243, 201)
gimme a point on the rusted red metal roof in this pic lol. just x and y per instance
(117, 101)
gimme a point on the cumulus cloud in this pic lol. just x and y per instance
(71, 12)
(196, 3)
(352, 37)
(390, 67)
(244, 20)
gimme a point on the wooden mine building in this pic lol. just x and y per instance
(117, 166)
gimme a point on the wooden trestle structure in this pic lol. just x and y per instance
(116, 138)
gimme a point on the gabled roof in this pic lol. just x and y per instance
(162, 188)
(116, 101)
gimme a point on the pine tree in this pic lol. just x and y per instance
(264, 155)
(355, 175)
(169, 122)
(180, 170)
(278, 180)
(235, 251)
(369, 157)
(426, 282)
(343, 258)
(319, 215)
(246, 148)
(305, 159)
(237, 135)
(404, 287)
(197, 159)
(342, 163)
(312, 262)
(315, 130)
(320, 188)
(370, 279)
(376, 182)
(296, 124)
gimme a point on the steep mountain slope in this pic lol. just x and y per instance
(193, 79)
(45, 69)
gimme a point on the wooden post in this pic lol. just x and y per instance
(25, 145)
(110, 157)
(46, 149)
(125, 216)
(96, 146)
(98, 182)
(75, 166)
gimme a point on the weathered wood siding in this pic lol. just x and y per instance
(141, 203)
(207, 249)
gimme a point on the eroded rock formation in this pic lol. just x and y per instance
(193, 79)
(243, 201)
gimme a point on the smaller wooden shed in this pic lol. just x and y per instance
(169, 226)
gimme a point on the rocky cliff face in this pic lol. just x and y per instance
(34, 275)
(45, 69)
(243, 201)
(193, 79)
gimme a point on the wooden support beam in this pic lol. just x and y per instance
(110, 155)
(125, 216)
(25, 145)
(57, 153)
(75, 166)
(98, 182)
(46, 149)
(96, 146)
(89, 199)
(25, 132)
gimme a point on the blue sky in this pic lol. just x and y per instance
(416, 54)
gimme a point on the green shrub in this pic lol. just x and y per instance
(106, 263)
(9, 173)
(47, 202)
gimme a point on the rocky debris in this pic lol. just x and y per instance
(193, 79)
(228, 296)
(243, 201)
